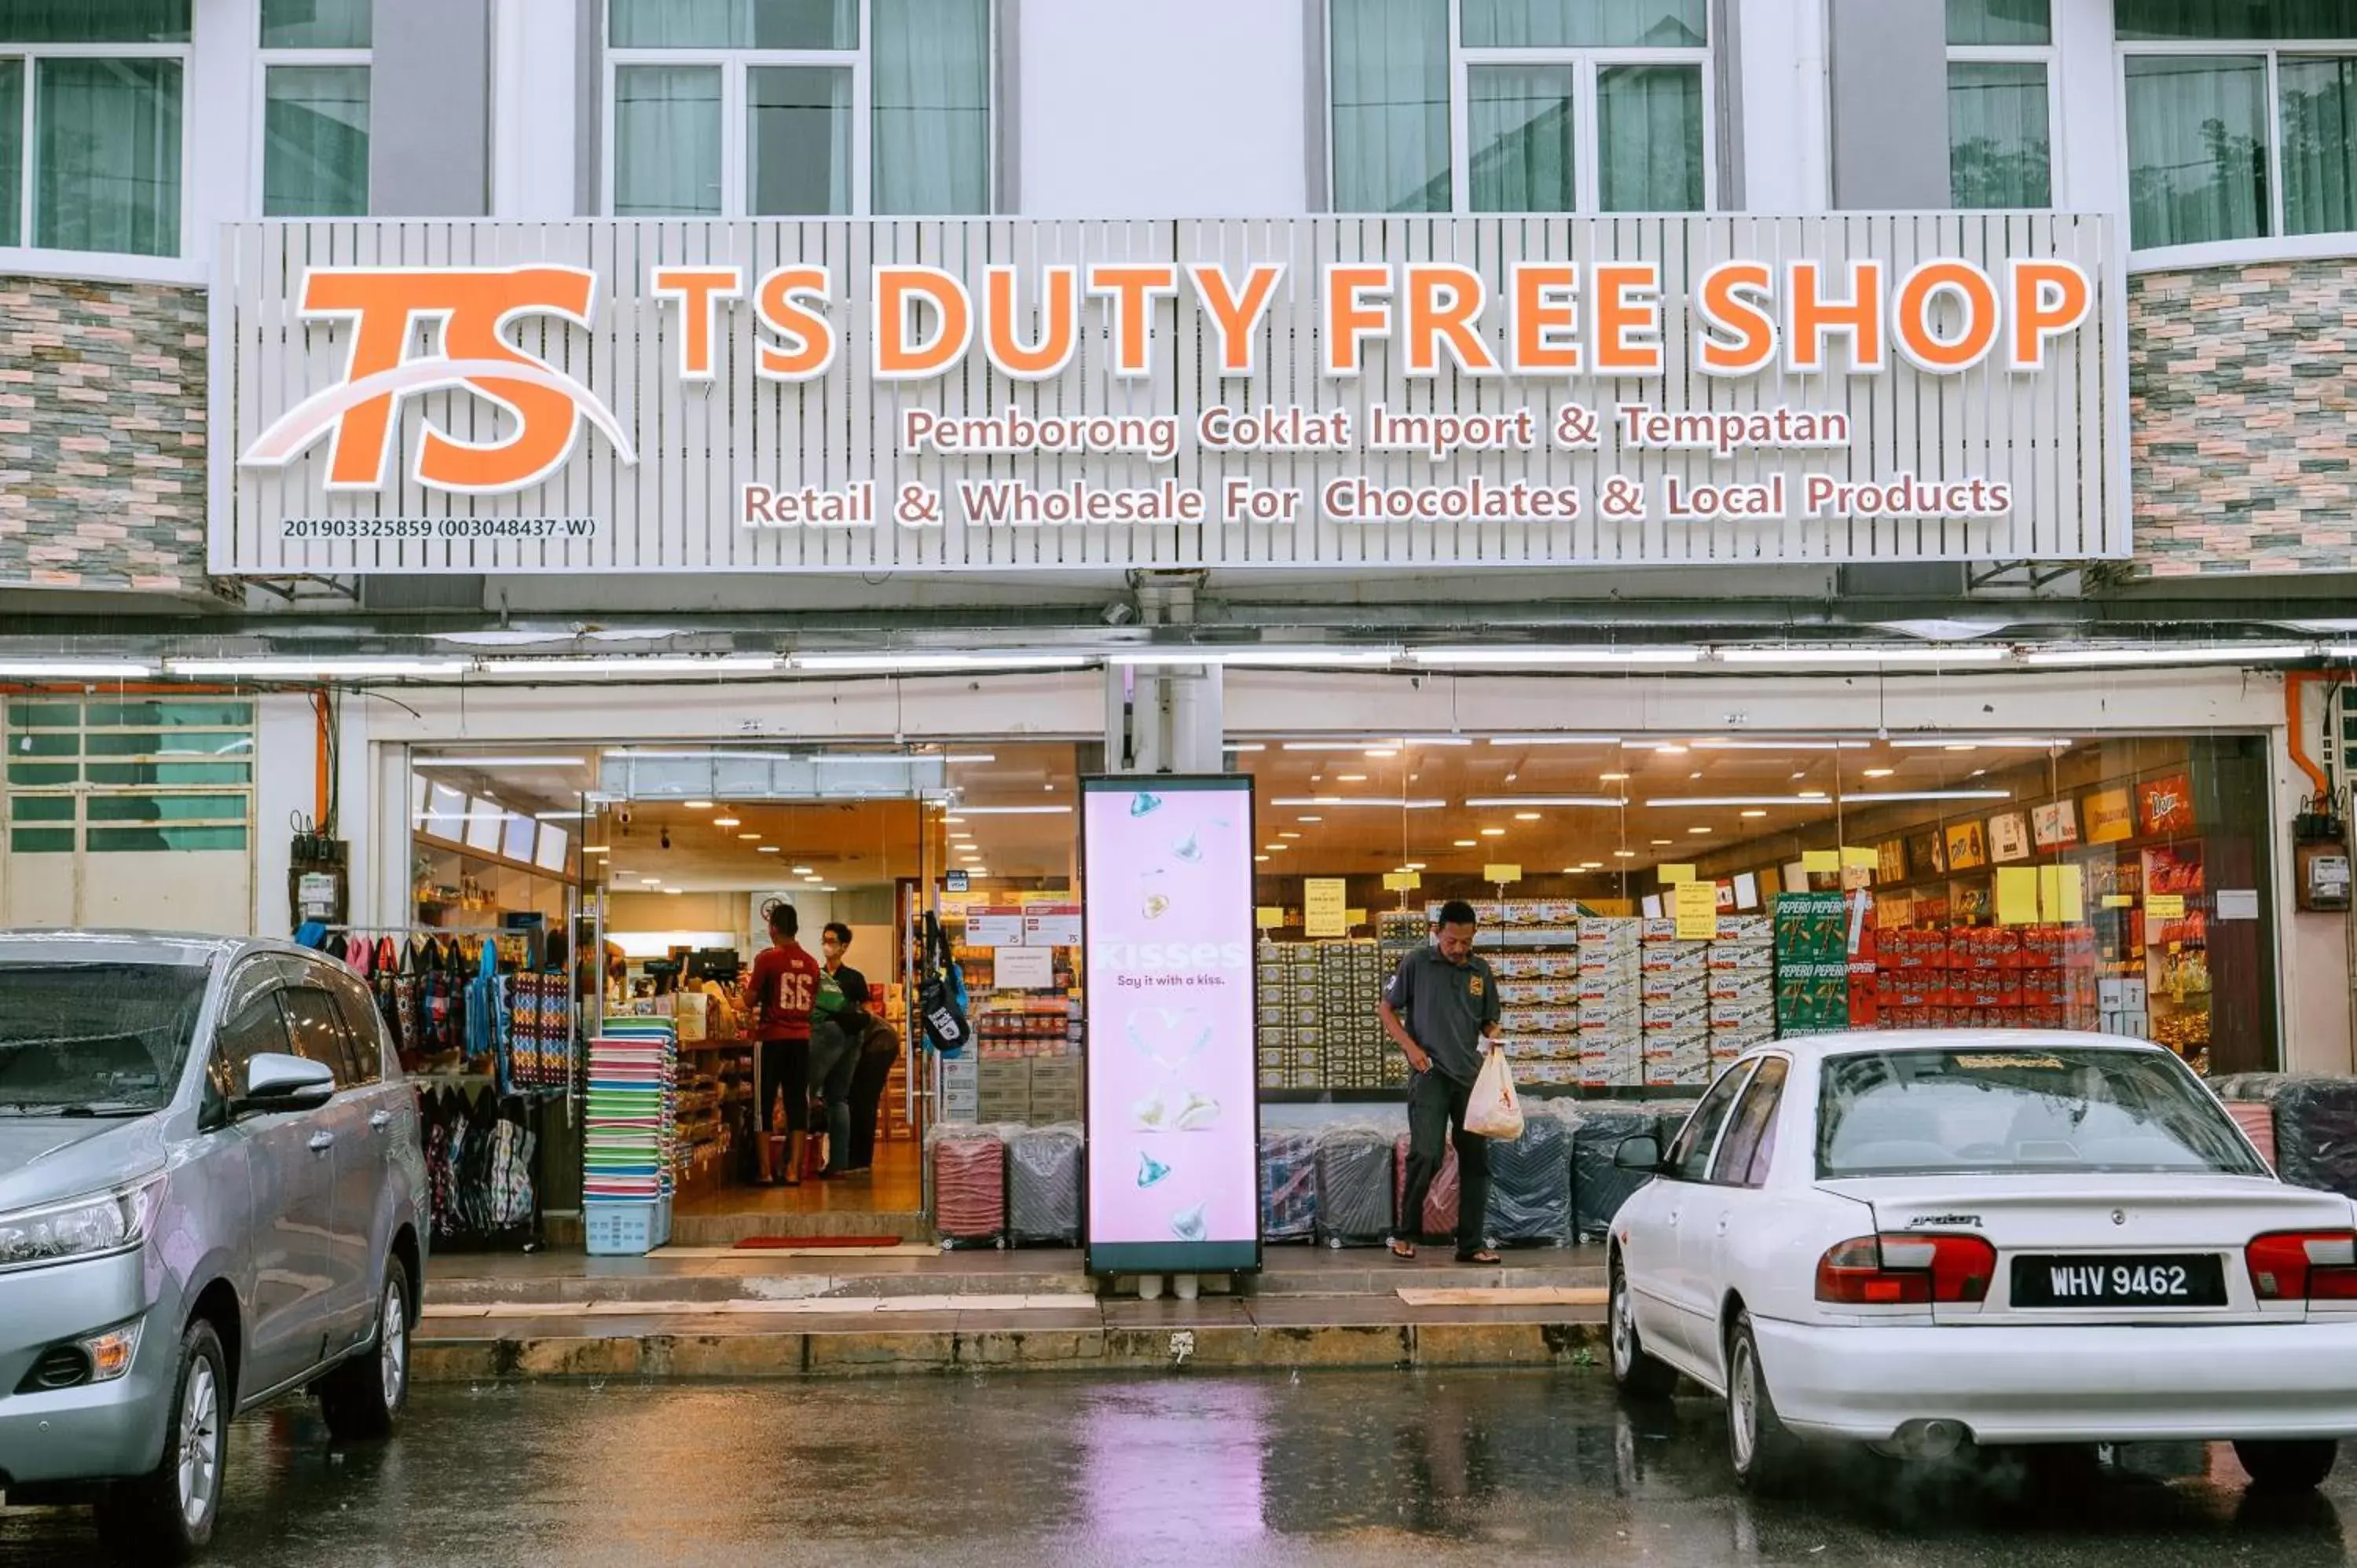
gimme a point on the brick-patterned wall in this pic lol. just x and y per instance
(2242, 415)
(102, 436)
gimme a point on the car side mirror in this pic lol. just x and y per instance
(1642, 1153)
(284, 1083)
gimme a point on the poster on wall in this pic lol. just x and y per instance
(2164, 806)
(2109, 818)
(1891, 859)
(2055, 825)
(2009, 834)
(1173, 1120)
(1967, 847)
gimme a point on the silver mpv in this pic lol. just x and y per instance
(212, 1192)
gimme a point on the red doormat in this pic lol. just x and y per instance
(779, 1243)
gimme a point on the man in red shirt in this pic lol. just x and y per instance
(779, 996)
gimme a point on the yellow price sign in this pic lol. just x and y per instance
(1697, 911)
(1501, 874)
(1325, 906)
(1817, 860)
(1402, 881)
(1268, 918)
(2164, 906)
(1674, 875)
(2118, 901)
(1860, 857)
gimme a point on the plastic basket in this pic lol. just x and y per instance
(624, 1230)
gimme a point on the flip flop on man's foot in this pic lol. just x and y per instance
(1483, 1256)
(1402, 1247)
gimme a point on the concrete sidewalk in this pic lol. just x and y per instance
(709, 1313)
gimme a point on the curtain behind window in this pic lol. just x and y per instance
(2197, 148)
(2319, 134)
(1649, 132)
(798, 141)
(2000, 146)
(12, 151)
(930, 75)
(314, 131)
(1586, 24)
(1521, 122)
(667, 137)
(1391, 105)
(108, 173)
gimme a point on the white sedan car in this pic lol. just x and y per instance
(1922, 1241)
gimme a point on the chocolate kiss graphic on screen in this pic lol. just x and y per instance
(1188, 1224)
(1170, 1039)
(1142, 801)
(1150, 1170)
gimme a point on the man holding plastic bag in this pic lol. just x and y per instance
(1441, 1008)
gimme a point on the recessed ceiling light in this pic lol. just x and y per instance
(1308, 819)
(1613, 778)
(649, 881)
(699, 805)
(1278, 848)
(1755, 813)
(1624, 855)
(1493, 832)
(1695, 774)
(1961, 746)
(725, 822)
(1812, 794)
(1350, 778)
(954, 822)
(801, 871)
(1659, 842)
(1527, 816)
(597, 849)
(1289, 833)
(1697, 830)
(772, 849)
(1469, 844)
(1879, 772)
(1258, 858)
(1671, 750)
(1412, 866)
(1379, 754)
(1049, 786)
(1591, 865)
(748, 838)
(1800, 773)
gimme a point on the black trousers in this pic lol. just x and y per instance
(867, 1098)
(1437, 1104)
(784, 1064)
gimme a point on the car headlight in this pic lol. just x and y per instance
(102, 1222)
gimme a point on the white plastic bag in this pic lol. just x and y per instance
(1495, 1111)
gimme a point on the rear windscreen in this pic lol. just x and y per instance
(2069, 1108)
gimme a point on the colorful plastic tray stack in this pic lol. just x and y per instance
(629, 1129)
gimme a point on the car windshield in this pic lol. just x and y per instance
(94, 1038)
(2004, 1109)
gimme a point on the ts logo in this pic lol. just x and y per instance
(475, 306)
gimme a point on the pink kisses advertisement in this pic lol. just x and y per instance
(1173, 1126)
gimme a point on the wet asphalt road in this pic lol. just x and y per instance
(1211, 1472)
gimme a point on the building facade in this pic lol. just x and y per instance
(2069, 359)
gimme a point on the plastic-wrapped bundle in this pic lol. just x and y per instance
(969, 1185)
(1530, 1180)
(1288, 1185)
(1598, 1186)
(1043, 1187)
(1441, 1200)
(1354, 1185)
(2314, 1125)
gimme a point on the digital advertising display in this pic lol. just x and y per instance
(1173, 1123)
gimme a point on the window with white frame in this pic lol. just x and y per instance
(1519, 105)
(315, 107)
(2242, 118)
(2000, 103)
(90, 100)
(793, 108)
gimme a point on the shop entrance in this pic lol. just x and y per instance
(659, 865)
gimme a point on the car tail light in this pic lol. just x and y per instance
(1906, 1270)
(2303, 1265)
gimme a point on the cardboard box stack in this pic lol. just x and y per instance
(1812, 942)
(1055, 1090)
(1674, 992)
(1399, 933)
(1291, 1042)
(1003, 1088)
(1350, 985)
(1611, 978)
(1742, 987)
(1999, 977)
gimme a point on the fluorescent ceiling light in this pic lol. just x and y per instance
(1697, 830)
(501, 762)
(1493, 832)
(924, 663)
(1887, 796)
(1504, 658)
(1555, 740)
(1782, 745)
(636, 664)
(2010, 743)
(293, 669)
(1332, 657)
(1437, 740)
(1734, 800)
(1233, 746)
(1756, 811)
(1508, 802)
(556, 816)
(1358, 745)
(1396, 805)
(2247, 654)
(1872, 653)
(73, 670)
(1017, 811)
(1624, 855)
(800, 871)
(772, 849)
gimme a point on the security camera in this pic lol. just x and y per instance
(666, 838)
(1118, 613)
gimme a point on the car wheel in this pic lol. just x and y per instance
(1634, 1372)
(167, 1515)
(363, 1398)
(2298, 1465)
(1765, 1455)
